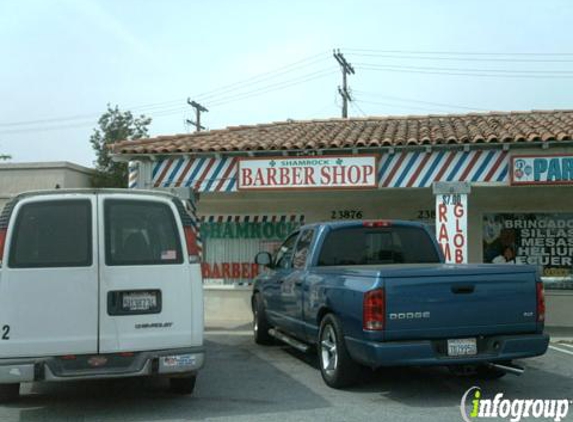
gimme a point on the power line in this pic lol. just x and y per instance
(394, 105)
(461, 58)
(373, 94)
(168, 105)
(274, 87)
(468, 72)
(462, 53)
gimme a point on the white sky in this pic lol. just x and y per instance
(67, 58)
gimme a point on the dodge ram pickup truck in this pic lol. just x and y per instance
(378, 293)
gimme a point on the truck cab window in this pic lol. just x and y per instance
(283, 255)
(302, 248)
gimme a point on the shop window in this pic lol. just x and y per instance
(544, 240)
(230, 243)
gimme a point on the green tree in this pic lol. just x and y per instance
(5, 157)
(114, 126)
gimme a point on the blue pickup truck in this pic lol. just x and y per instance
(377, 293)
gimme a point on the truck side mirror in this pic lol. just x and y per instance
(264, 259)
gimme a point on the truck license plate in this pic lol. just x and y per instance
(139, 301)
(462, 347)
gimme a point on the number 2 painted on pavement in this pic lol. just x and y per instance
(6, 332)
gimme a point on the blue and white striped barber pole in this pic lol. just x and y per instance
(133, 174)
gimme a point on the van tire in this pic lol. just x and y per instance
(261, 325)
(337, 368)
(9, 392)
(182, 385)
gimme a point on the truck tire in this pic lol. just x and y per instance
(9, 392)
(261, 325)
(337, 368)
(182, 385)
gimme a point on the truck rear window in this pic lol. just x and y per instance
(371, 246)
(52, 234)
(140, 233)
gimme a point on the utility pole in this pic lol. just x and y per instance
(198, 109)
(347, 69)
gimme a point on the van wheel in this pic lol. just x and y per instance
(9, 392)
(182, 385)
(261, 325)
(337, 368)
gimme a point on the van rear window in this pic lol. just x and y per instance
(140, 233)
(52, 234)
(375, 246)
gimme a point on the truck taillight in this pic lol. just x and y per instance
(379, 223)
(540, 303)
(2, 242)
(374, 310)
(192, 247)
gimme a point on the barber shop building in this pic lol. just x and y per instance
(495, 187)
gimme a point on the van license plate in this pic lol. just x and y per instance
(139, 301)
(462, 347)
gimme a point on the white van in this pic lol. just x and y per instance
(99, 284)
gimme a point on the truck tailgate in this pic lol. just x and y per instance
(446, 302)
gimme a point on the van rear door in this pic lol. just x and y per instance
(145, 277)
(48, 281)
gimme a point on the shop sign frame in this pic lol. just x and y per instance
(372, 177)
(523, 169)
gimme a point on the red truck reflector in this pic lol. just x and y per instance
(374, 310)
(540, 302)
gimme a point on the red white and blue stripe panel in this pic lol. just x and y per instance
(420, 169)
(256, 218)
(203, 174)
(417, 169)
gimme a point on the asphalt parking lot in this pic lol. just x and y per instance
(245, 382)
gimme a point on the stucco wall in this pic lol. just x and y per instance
(21, 177)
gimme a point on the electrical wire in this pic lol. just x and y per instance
(389, 97)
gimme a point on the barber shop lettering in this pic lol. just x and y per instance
(244, 230)
(230, 270)
(301, 173)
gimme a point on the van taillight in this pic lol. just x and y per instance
(540, 303)
(192, 247)
(374, 310)
(2, 242)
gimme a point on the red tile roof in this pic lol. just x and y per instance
(368, 132)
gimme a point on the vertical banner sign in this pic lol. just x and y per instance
(452, 226)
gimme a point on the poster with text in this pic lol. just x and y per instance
(544, 240)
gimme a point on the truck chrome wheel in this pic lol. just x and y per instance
(328, 350)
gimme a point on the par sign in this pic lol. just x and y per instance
(542, 169)
(315, 172)
(452, 226)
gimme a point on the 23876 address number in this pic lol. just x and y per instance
(346, 214)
